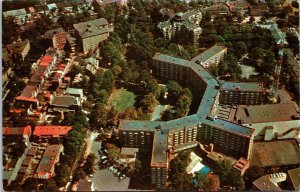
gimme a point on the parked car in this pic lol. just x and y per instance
(122, 176)
(103, 157)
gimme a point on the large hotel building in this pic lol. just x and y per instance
(166, 137)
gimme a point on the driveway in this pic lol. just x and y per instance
(104, 180)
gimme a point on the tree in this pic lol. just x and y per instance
(129, 113)
(251, 174)
(151, 86)
(61, 174)
(240, 48)
(78, 174)
(113, 150)
(228, 175)
(73, 143)
(208, 182)
(179, 178)
(49, 185)
(148, 103)
(89, 164)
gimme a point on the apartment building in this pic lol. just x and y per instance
(211, 56)
(243, 94)
(91, 33)
(184, 133)
(159, 160)
(228, 138)
(183, 28)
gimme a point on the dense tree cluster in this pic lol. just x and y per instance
(228, 175)
(180, 98)
(179, 178)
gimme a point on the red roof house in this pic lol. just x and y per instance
(51, 131)
(16, 133)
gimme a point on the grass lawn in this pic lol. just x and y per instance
(121, 99)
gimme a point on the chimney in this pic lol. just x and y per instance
(211, 148)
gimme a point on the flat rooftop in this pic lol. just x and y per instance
(92, 28)
(264, 184)
(275, 153)
(242, 86)
(160, 146)
(230, 127)
(266, 113)
(208, 53)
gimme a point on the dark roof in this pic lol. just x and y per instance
(294, 175)
(266, 113)
(64, 101)
(91, 28)
(208, 53)
(17, 47)
(50, 33)
(48, 159)
(264, 184)
(275, 153)
(159, 150)
(242, 86)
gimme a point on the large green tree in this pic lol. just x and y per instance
(228, 175)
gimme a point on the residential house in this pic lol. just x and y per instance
(20, 48)
(103, 2)
(16, 134)
(57, 36)
(91, 33)
(76, 93)
(20, 15)
(92, 64)
(50, 132)
(46, 168)
(64, 103)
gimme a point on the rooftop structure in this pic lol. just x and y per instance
(242, 86)
(64, 101)
(294, 176)
(276, 130)
(266, 113)
(275, 153)
(264, 184)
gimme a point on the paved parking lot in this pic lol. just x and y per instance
(104, 180)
